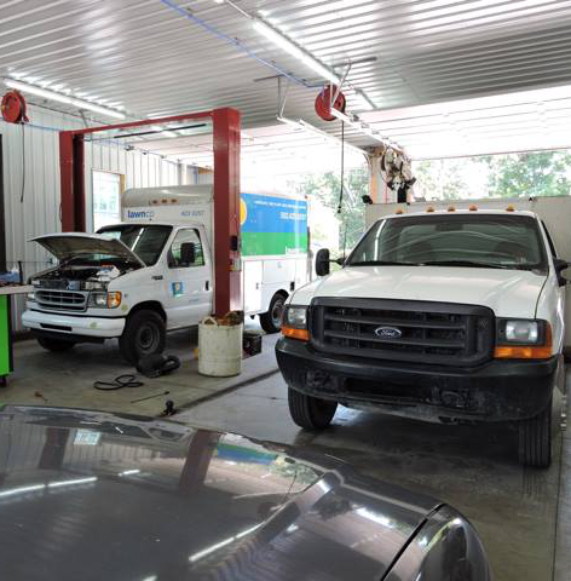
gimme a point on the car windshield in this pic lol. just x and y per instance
(468, 240)
(147, 242)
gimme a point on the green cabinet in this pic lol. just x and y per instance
(5, 338)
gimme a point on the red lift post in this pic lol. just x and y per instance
(226, 126)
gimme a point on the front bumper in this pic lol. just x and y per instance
(495, 391)
(73, 326)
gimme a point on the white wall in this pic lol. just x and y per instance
(35, 149)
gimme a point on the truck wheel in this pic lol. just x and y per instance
(144, 334)
(272, 320)
(55, 345)
(535, 439)
(310, 413)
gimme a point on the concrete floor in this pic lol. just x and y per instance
(523, 516)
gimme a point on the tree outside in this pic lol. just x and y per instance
(543, 173)
(326, 189)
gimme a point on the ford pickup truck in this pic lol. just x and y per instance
(449, 316)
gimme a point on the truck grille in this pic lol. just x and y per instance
(415, 331)
(60, 300)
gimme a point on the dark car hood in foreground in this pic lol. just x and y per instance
(86, 495)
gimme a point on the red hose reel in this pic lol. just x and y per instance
(14, 107)
(323, 103)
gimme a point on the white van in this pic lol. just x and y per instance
(451, 316)
(154, 273)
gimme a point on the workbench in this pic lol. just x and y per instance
(6, 359)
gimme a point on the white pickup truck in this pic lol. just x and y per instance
(153, 273)
(451, 316)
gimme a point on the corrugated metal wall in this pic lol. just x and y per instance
(32, 182)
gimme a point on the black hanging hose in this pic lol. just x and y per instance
(118, 383)
(340, 206)
(23, 165)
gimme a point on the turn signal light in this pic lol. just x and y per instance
(300, 334)
(504, 352)
(113, 300)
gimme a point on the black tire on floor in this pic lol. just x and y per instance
(310, 413)
(272, 320)
(535, 439)
(55, 345)
(144, 334)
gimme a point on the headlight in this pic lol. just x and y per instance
(296, 317)
(523, 339)
(520, 332)
(294, 323)
(105, 300)
(32, 297)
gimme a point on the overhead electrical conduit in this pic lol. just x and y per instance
(234, 42)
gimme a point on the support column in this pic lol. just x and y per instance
(227, 240)
(72, 171)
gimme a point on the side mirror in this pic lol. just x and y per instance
(187, 253)
(561, 265)
(322, 267)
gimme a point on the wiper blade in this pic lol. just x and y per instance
(381, 263)
(467, 263)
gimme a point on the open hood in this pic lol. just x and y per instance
(71, 245)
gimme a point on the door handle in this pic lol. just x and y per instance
(158, 277)
(207, 285)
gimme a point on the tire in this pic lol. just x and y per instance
(535, 439)
(272, 320)
(310, 413)
(55, 345)
(144, 334)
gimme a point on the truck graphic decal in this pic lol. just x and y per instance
(273, 225)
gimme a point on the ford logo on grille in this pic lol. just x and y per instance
(388, 333)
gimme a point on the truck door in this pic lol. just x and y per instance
(188, 281)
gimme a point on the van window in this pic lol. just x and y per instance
(183, 236)
(479, 240)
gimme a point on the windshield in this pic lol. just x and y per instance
(147, 242)
(485, 241)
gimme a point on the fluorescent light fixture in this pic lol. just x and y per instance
(354, 122)
(38, 91)
(62, 98)
(308, 128)
(294, 50)
(80, 104)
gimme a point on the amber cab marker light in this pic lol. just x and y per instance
(527, 351)
(300, 334)
(473, 208)
(510, 208)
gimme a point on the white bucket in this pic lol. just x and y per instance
(219, 348)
